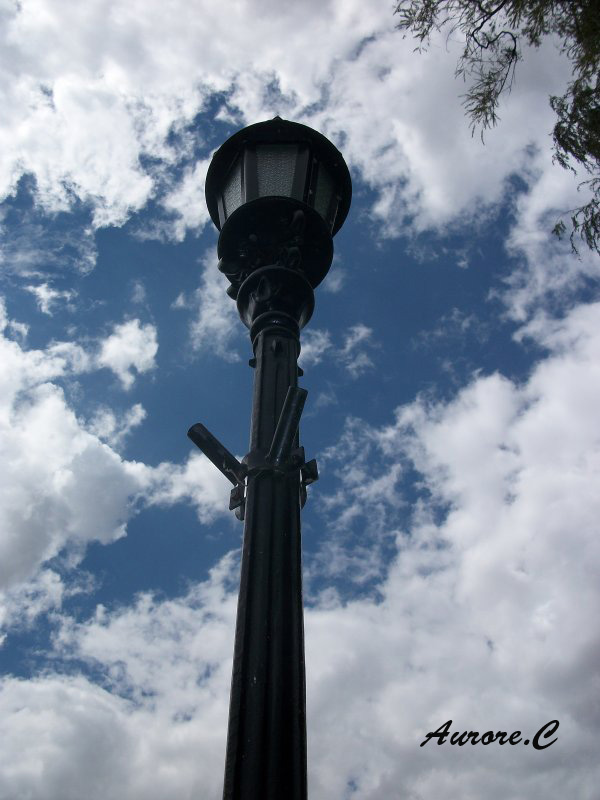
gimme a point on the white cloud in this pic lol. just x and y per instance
(336, 278)
(317, 345)
(47, 297)
(546, 269)
(112, 428)
(88, 127)
(216, 325)
(53, 467)
(324, 399)
(484, 587)
(138, 294)
(485, 615)
(64, 708)
(187, 201)
(53, 470)
(134, 641)
(451, 328)
(354, 357)
(158, 728)
(130, 347)
(33, 246)
(44, 592)
(18, 329)
(23, 602)
(433, 172)
(180, 302)
(197, 482)
(92, 84)
(129, 76)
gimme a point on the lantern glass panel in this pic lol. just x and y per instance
(323, 193)
(232, 191)
(276, 166)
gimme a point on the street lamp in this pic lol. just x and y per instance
(277, 191)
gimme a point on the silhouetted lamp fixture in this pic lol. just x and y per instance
(256, 182)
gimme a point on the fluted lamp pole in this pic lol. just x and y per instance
(277, 191)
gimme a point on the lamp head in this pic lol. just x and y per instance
(277, 191)
(279, 158)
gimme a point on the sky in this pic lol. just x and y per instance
(451, 545)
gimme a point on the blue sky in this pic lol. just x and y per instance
(450, 546)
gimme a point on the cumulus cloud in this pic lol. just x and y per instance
(131, 346)
(54, 465)
(63, 708)
(54, 469)
(187, 202)
(196, 482)
(315, 344)
(352, 354)
(113, 428)
(430, 173)
(88, 130)
(82, 124)
(546, 273)
(157, 727)
(216, 324)
(33, 245)
(485, 613)
(42, 593)
(468, 527)
(47, 297)
(493, 592)
(336, 278)
(138, 294)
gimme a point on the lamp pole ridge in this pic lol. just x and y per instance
(277, 191)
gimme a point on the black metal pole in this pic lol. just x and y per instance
(266, 743)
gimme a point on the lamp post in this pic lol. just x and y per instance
(277, 191)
